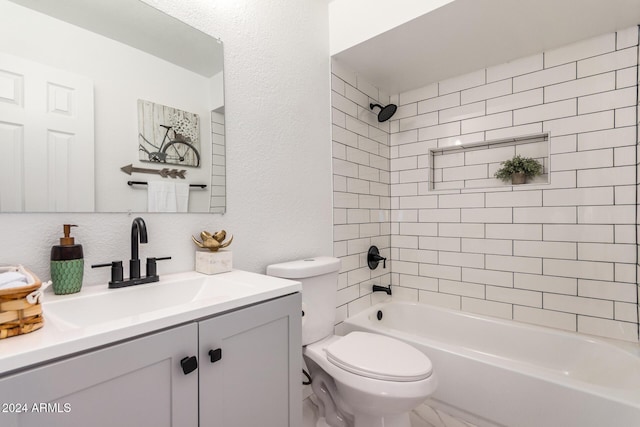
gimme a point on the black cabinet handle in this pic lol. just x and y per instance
(215, 355)
(189, 364)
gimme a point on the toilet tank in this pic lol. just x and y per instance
(319, 278)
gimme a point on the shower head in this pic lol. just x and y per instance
(385, 112)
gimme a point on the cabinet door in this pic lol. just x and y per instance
(136, 383)
(257, 381)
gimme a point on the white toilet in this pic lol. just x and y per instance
(361, 379)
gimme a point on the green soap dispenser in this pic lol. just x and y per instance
(67, 264)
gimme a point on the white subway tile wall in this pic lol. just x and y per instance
(474, 165)
(625, 234)
(561, 253)
(218, 201)
(361, 186)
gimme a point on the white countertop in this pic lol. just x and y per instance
(97, 316)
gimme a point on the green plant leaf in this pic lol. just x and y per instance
(527, 165)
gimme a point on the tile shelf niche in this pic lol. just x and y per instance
(473, 165)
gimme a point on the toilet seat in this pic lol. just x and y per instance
(365, 395)
(378, 357)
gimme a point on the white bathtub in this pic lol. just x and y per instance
(505, 373)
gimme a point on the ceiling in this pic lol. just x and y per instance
(468, 35)
(141, 26)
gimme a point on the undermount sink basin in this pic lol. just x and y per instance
(91, 308)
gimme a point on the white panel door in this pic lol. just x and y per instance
(46, 138)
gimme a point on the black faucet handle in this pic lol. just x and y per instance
(152, 268)
(116, 270)
(374, 258)
(381, 258)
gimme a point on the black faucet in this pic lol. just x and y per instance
(138, 228)
(385, 289)
(138, 235)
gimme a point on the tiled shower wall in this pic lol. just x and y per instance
(638, 189)
(361, 179)
(218, 161)
(562, 254)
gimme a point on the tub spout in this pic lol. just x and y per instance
(385, 289)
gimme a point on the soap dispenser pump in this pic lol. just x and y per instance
(67, 264)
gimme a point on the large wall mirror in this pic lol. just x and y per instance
(108, 106)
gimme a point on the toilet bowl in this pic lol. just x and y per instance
(362, 379)
(378, 378)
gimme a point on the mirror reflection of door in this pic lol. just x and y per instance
(46, 138)
(141, 54)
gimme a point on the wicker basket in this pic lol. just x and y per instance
(17, 314)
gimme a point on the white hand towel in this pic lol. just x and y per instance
(13, 279)
(161, 197)
(182, 197)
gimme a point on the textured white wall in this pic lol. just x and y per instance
(278, 151)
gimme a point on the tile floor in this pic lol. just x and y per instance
(423, 416)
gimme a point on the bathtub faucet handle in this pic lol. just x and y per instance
(385, 289)
(374, 258)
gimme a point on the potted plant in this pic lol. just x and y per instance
(518, 169)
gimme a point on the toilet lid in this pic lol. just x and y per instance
(379, 357)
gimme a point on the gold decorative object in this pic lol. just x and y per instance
(214, 241)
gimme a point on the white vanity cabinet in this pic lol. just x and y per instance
(141, 382)
(258, 381)
(135, 383)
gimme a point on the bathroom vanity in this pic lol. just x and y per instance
(191, 350)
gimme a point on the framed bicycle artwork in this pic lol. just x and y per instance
(168, 135)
